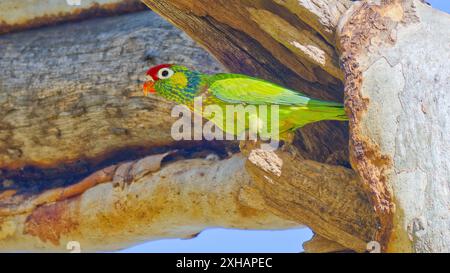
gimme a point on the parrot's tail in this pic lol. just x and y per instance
(327, 110)
(339, 114)
(317, 110)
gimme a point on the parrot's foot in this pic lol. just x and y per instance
(288, 136)
(246, 146)
(288, 145)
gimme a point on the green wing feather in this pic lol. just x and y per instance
(235, 88)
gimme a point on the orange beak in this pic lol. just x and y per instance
(149, 87)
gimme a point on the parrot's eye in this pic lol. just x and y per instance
(165, 73)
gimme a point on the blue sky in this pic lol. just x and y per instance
(440, 4)
(230, 240)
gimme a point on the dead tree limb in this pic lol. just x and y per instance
(135, 201)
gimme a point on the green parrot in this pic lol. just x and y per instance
(181, 85)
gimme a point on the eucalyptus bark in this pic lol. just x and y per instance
(96, 143)
(22, 15)
(397, 80)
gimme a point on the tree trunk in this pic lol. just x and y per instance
(85, 158)
(395, 60)
(26, 14)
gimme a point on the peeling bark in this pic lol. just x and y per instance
(136, 201)
(396, 85)
(314, 194)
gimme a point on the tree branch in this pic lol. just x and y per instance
(22, 15)
(326, 198)
(134, 202)
(398, 104)
(72, 94)
(318, 244)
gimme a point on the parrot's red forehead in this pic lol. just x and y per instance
(153, 72)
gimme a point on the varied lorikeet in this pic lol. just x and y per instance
(181, 85)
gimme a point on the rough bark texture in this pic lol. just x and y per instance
(395, 58)
(25, 14)
(73, 99)
(136, 201)
(314, 194)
